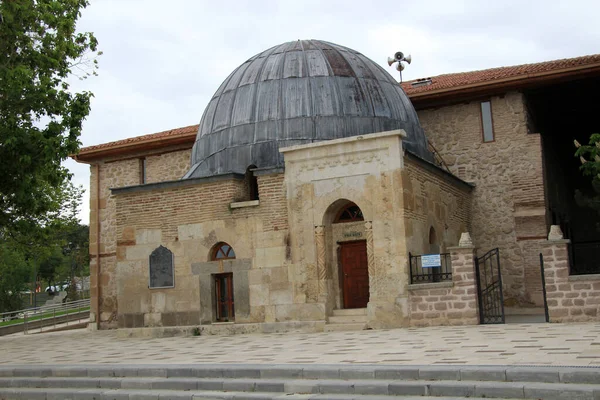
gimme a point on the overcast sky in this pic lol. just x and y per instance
(163, 60)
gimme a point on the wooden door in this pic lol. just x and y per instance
(224, 297)
(355, 274)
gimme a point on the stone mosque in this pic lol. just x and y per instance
(317, 194)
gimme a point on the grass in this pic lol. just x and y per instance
(45, 316)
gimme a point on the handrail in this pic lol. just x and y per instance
(40, 314)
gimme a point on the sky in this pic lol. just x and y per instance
(163, 60)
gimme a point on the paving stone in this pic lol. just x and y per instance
(524, 374)
(399, 372)
(239, 385)
(209, 384)
(497, 374)
(288, 372)
(579, 375)
(408, 388)
(302, 386)
(439, 373)
(321, 372)
(335, 387)
(554, 391)
(176, 384)
(266, 385)
(241, 372)
(213, 395)
(509, 390)
(450, 388)
(375, 387)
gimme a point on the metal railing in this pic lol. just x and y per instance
(41, 317)
(418, 274)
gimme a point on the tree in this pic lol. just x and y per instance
(589, 155)
(14, 277)
(40, 118)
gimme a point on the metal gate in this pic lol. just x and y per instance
(489, 288)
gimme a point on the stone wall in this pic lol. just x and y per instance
(508, 209)
(114, 174)
(167, 166)
(448, 303)
(571, 298)
(189, 219)
(433, 199)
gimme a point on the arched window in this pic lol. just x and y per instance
(222, 251)
(349, 213)
(434, 246)
(161, 268)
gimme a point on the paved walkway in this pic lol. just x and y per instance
(513, 344)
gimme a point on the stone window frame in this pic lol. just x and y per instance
(150, 269)
(491, 118)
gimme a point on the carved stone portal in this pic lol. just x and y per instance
(321, 268)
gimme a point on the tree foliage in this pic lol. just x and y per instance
(15, 273)
(40, 117)
(589, 155)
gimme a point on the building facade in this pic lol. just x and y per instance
(308, 192)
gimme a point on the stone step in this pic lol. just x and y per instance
(356, 326)
(125, 394)
(117, 388)
(349, 311)
(347, 319)
(543, 374)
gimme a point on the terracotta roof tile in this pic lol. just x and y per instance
(457, 80)
(144, 138)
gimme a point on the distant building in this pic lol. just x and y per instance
(314, 183)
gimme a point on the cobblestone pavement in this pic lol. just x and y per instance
(513, 344)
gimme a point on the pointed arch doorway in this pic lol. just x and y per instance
(352, 261)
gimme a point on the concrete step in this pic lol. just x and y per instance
(356, 326)
(347, 319)
(235, 381)
(349, 311)
(524, 315)
(137, 394)
(73, 388)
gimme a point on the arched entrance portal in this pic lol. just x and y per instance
(347, 256)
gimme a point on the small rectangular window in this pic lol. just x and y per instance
(486, 121)
(142, 171)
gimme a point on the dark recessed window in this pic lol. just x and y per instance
(252, 183)
(161, 268)
(349, 213)
(487, 123)
(222, 251)
(142, 171)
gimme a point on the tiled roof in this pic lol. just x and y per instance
(461, 79)
(192, 129)
(440, 83)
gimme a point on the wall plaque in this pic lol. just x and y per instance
(161, 268)
(352, 234)
(431, 261)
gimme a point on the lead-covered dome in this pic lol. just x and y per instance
(295, 93)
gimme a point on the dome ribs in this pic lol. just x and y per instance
(295, 93)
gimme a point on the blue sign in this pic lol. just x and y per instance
(431, 261)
